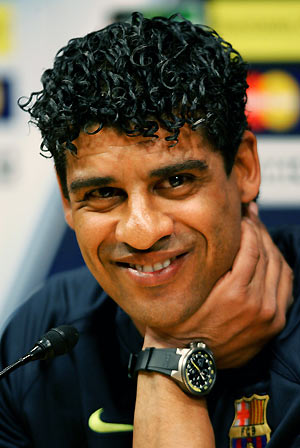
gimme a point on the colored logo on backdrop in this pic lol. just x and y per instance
(274, 101)
(6, 31)
(250, 428)
(5, 98)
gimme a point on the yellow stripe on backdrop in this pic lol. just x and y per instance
(6, 20)
(261, 30)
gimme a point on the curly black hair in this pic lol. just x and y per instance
(138, 76)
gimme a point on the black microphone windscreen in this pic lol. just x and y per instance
(62, 339)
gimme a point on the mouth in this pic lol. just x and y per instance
(158, 266)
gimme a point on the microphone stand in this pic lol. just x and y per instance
(34, 354)
(15, 365)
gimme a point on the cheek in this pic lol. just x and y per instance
(210, 211)
(91, 230)
(226, 232)
(217, 217)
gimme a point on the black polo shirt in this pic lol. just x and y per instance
(66, 401)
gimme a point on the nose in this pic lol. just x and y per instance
(142, 224)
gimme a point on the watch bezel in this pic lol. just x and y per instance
(197, 347)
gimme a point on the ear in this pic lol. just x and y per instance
(246, 168)
(66, 204)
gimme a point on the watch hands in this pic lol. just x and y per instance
(200, 373)
(195, 365)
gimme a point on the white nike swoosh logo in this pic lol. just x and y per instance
(98, 425)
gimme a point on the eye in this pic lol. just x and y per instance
(104, 193)
(178, 186)
(176, 181)
(102, 199)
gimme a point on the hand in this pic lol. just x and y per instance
(246, 307)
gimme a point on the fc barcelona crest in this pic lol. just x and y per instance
(250, 428)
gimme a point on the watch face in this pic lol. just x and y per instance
(199, 372)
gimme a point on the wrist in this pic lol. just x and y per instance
(165, 416)
(162, 386)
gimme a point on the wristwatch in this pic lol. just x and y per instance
(193, 368)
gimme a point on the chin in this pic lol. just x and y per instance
(162, 320)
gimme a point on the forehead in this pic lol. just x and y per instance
(111, 148)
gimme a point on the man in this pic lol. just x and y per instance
(158, 173)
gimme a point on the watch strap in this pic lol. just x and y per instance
(162, 360)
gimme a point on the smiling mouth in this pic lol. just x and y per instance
(150, 267)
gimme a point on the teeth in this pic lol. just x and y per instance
(158, 266)
(155, 267)
(148, 268)
(166, 263)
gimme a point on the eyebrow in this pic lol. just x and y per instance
(170, 170)
(165, 171)
(78, 184)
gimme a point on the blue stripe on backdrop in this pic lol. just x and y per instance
(273, 217)
(68, 255)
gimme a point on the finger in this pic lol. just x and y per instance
(248, 257)
(270, 254)
(273, 263)
(252, 214)
(271, 257)
(251, 208)
(278, 278)
(284, 296)
(274, 266)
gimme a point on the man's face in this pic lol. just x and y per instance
(157, 226)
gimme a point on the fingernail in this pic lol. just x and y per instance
(253, 208)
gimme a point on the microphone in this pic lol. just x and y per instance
(55, 342)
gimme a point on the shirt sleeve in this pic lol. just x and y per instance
(12, 430)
